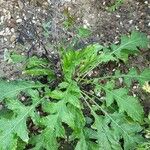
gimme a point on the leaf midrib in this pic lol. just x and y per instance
(134, 41)
(5, 136)
(19, 89)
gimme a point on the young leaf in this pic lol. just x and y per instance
(39, 72)
(69, 63)
(116, 5)
(72, 94)
(17, 58)
(61, 110)
(83, 32)
(36, 62)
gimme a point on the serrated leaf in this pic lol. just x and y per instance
(61, 110)
(106, 58)
(127, 130)
(17, 58)
(106, 140)
(83, 32)
(69, 63)
(134, 110)
(63, 85)
(56, 94)
(53, 122)
(140, 77)
(89, 57)
(36, 62)
(79, 120)
(15, 127)
(39, 72)
(46, 140)
(82, 60)
(130, 45)
(112, 128)
(81, 144)
(13, 88)
(85, 143)
(144, 76)
(72, 94)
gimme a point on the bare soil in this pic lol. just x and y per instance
(22, 21)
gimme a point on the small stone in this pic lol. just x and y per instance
(19, 20)
(12, 30)
(2, 19)
(12, 38)
(134, 95)
(34, 21)
(118, 16)
(23, 98)
(121, 80)
(7, 30)
(2, 32)
(121, 23)
(130, 21)
(5, 39)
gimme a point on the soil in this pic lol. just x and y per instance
(22, 21)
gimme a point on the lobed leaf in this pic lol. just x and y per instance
(13, 88)
(129, 45)
(126, 103)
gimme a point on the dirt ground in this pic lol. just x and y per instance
(22, 21)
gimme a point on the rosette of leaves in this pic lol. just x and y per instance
(104, 116)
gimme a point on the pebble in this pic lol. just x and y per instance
(12, 38)
(121, 80)
(5, 39)
(12, 30)
(134, 87)
(19, 20)
(118, 16)
(130, 21)
(2, 32)
(2, 20)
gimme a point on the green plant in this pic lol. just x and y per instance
(91, 113)
(116, 5)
